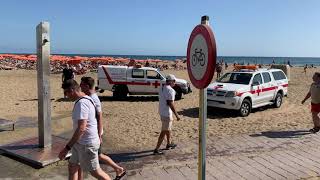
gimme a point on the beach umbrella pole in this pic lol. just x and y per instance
(43, 79)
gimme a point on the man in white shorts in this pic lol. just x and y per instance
(87, 86)
(85, 142)
(166, 109)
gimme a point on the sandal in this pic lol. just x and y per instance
(157, 152)
(120, 176)
(314, 130)
(171, 146)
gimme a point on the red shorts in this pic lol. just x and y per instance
(315, 107)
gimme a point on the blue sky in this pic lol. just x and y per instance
(150, 27)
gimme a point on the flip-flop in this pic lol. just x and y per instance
(120, 176)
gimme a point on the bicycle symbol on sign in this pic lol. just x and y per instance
(198, 56)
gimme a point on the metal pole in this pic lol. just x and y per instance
(43, 70)
(202, 124)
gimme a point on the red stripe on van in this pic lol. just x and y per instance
(263, 90)
(269, 88)
(260, 90)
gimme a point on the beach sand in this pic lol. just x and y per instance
(134, 124)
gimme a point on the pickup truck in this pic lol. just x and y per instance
(245, 89)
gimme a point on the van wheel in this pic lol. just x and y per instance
(120, 92)
(245, 108)
(178, 93)
(278, 100)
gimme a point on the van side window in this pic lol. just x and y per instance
(257, 79)
(278, 75)
(137, 73)
(153, 75)
(266, 77)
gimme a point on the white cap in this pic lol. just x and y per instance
(170, 77)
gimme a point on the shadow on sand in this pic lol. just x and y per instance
(131, 98)
(52, 99)
(63, 100)
(130, 156)
(213, 113)
(282, 134)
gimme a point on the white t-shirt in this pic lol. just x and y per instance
(84, 109)
(97, 102)
(166, 92)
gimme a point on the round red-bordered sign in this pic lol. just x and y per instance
(201, 56)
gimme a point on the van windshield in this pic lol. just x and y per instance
(236, 78)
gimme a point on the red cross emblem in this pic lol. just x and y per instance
(217, 87)
(156, 84)
(259, 90)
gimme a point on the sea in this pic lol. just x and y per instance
(295, 61)
(243, 60)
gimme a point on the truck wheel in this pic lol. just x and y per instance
(245, 108)
(120, 92)
(178, 93)
(278, 100)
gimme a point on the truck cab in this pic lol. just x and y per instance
(245, 89)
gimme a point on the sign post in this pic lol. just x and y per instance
(201, 62)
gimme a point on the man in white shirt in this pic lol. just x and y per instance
(166, 109)
(87, 86)
(85, 142)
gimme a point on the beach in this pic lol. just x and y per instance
(134, 124)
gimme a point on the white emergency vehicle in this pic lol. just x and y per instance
(132, 80)
(245, 89)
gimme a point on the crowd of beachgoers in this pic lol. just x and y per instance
(58, 63)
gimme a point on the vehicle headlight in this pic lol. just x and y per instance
(231, 93)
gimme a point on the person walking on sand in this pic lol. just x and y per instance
(85, 141)
(166, 109)
(219, 70)
(305, 69)
(87, 86)
(67, 73)
(314, 93)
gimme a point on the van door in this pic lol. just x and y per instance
(155, 79)
(268, 88)
(281, 80)
(136, 81)
(256, 89)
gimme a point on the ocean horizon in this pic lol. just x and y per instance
(295, 61)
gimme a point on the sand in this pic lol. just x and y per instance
(134, 124)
